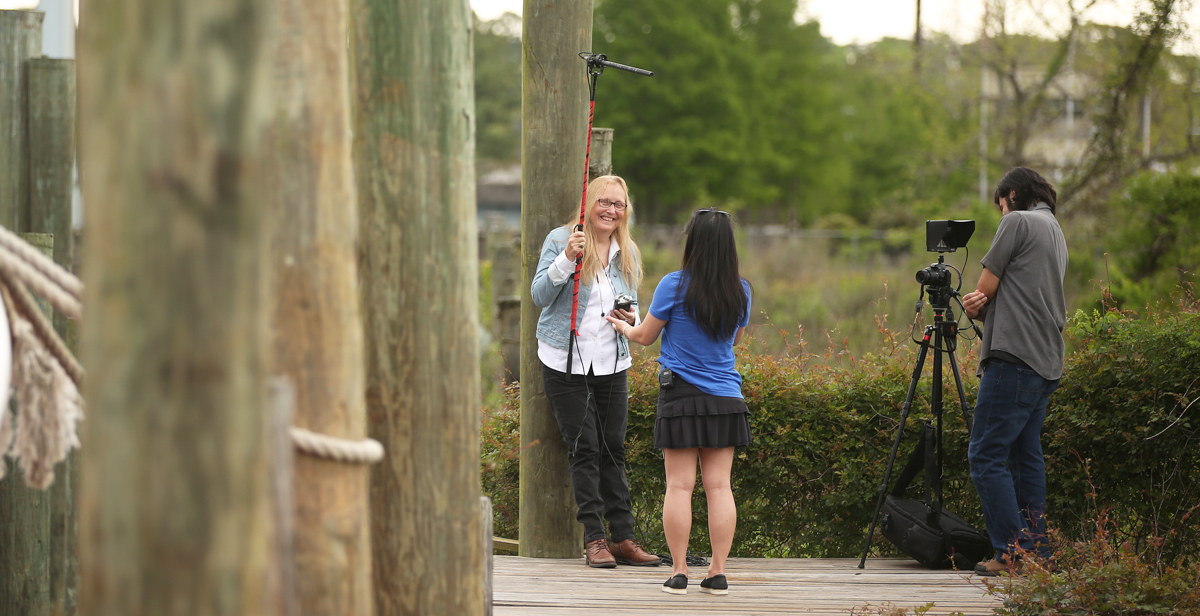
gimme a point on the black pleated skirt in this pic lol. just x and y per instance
(688, 417)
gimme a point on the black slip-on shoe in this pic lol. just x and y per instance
(715, 585)
(677, 585)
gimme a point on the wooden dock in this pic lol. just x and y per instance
(553, 587)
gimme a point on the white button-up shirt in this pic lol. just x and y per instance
(596, 344)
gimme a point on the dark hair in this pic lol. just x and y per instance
(1030, 186)
(714, 297)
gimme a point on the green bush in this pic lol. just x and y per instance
(1120, 437)
(1097, 577)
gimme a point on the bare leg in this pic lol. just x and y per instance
(677, 505)
(716, 466)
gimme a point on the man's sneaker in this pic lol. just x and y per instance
(715, 585)
(597, 554)
(677, 585)
(994, 567)
(628, 552)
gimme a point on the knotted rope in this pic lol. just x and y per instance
(47, 377)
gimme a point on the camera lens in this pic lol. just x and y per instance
(934, 276)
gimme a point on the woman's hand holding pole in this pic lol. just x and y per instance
(574, 246)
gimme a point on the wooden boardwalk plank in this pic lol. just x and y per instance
(554, 587)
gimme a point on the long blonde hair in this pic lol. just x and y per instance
(631, 257)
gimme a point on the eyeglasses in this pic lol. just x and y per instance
(616, 205)
(707, 210)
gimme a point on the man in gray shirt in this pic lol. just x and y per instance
(1020, 299)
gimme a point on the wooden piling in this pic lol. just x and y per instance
(414, 122)
(20, 40)
(506, 294)
(27, 545)
(25, 516)
(600, 162)
(51, 112)
(554, 108)
(175, 104)
(318, 336)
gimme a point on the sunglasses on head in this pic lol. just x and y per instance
(707, 210)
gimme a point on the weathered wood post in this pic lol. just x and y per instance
(25, 540)
(20, 40)
(414, 153)
(600, 162)
(51, 112)
(318, 338)
(175, 103)
(26, 511)
(554, 105)
(506, 295)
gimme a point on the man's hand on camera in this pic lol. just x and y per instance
(973, 303)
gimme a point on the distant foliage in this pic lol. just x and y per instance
(1120, 441)
(1152, 248)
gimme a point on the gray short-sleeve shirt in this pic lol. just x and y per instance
(1028, 313)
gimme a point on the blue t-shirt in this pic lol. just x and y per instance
(688, 350)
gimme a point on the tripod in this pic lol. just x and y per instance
(943, 333)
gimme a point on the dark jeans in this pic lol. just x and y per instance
(1005, 453)
(592, 415)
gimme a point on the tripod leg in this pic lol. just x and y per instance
(887, 475)
(962, 396)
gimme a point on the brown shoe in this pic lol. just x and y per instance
(994, 567)
(597, 554)
(628, 552)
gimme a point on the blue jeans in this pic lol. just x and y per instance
(1006, 455)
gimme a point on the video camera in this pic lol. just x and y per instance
(942, 236)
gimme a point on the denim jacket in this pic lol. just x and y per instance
(554, 325)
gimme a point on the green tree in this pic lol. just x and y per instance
(498, 90)
(1153, 252)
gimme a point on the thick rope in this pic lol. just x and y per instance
(15, 267)
(30, 310)
(366, 451)
(45, 265)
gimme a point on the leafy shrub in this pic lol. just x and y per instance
(1098, 577)
(499, 448)
(1120, 437)
(1121, 434)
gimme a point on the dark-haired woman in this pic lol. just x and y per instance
(591, 403)
(702, 311)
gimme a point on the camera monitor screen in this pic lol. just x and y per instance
(947, 235)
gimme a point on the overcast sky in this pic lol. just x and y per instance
(865, 21)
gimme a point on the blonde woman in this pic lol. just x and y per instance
(591, 404)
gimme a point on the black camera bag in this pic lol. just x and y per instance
(923, 529)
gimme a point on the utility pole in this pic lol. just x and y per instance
(983, 107)
(917, 41)
(554, 108)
